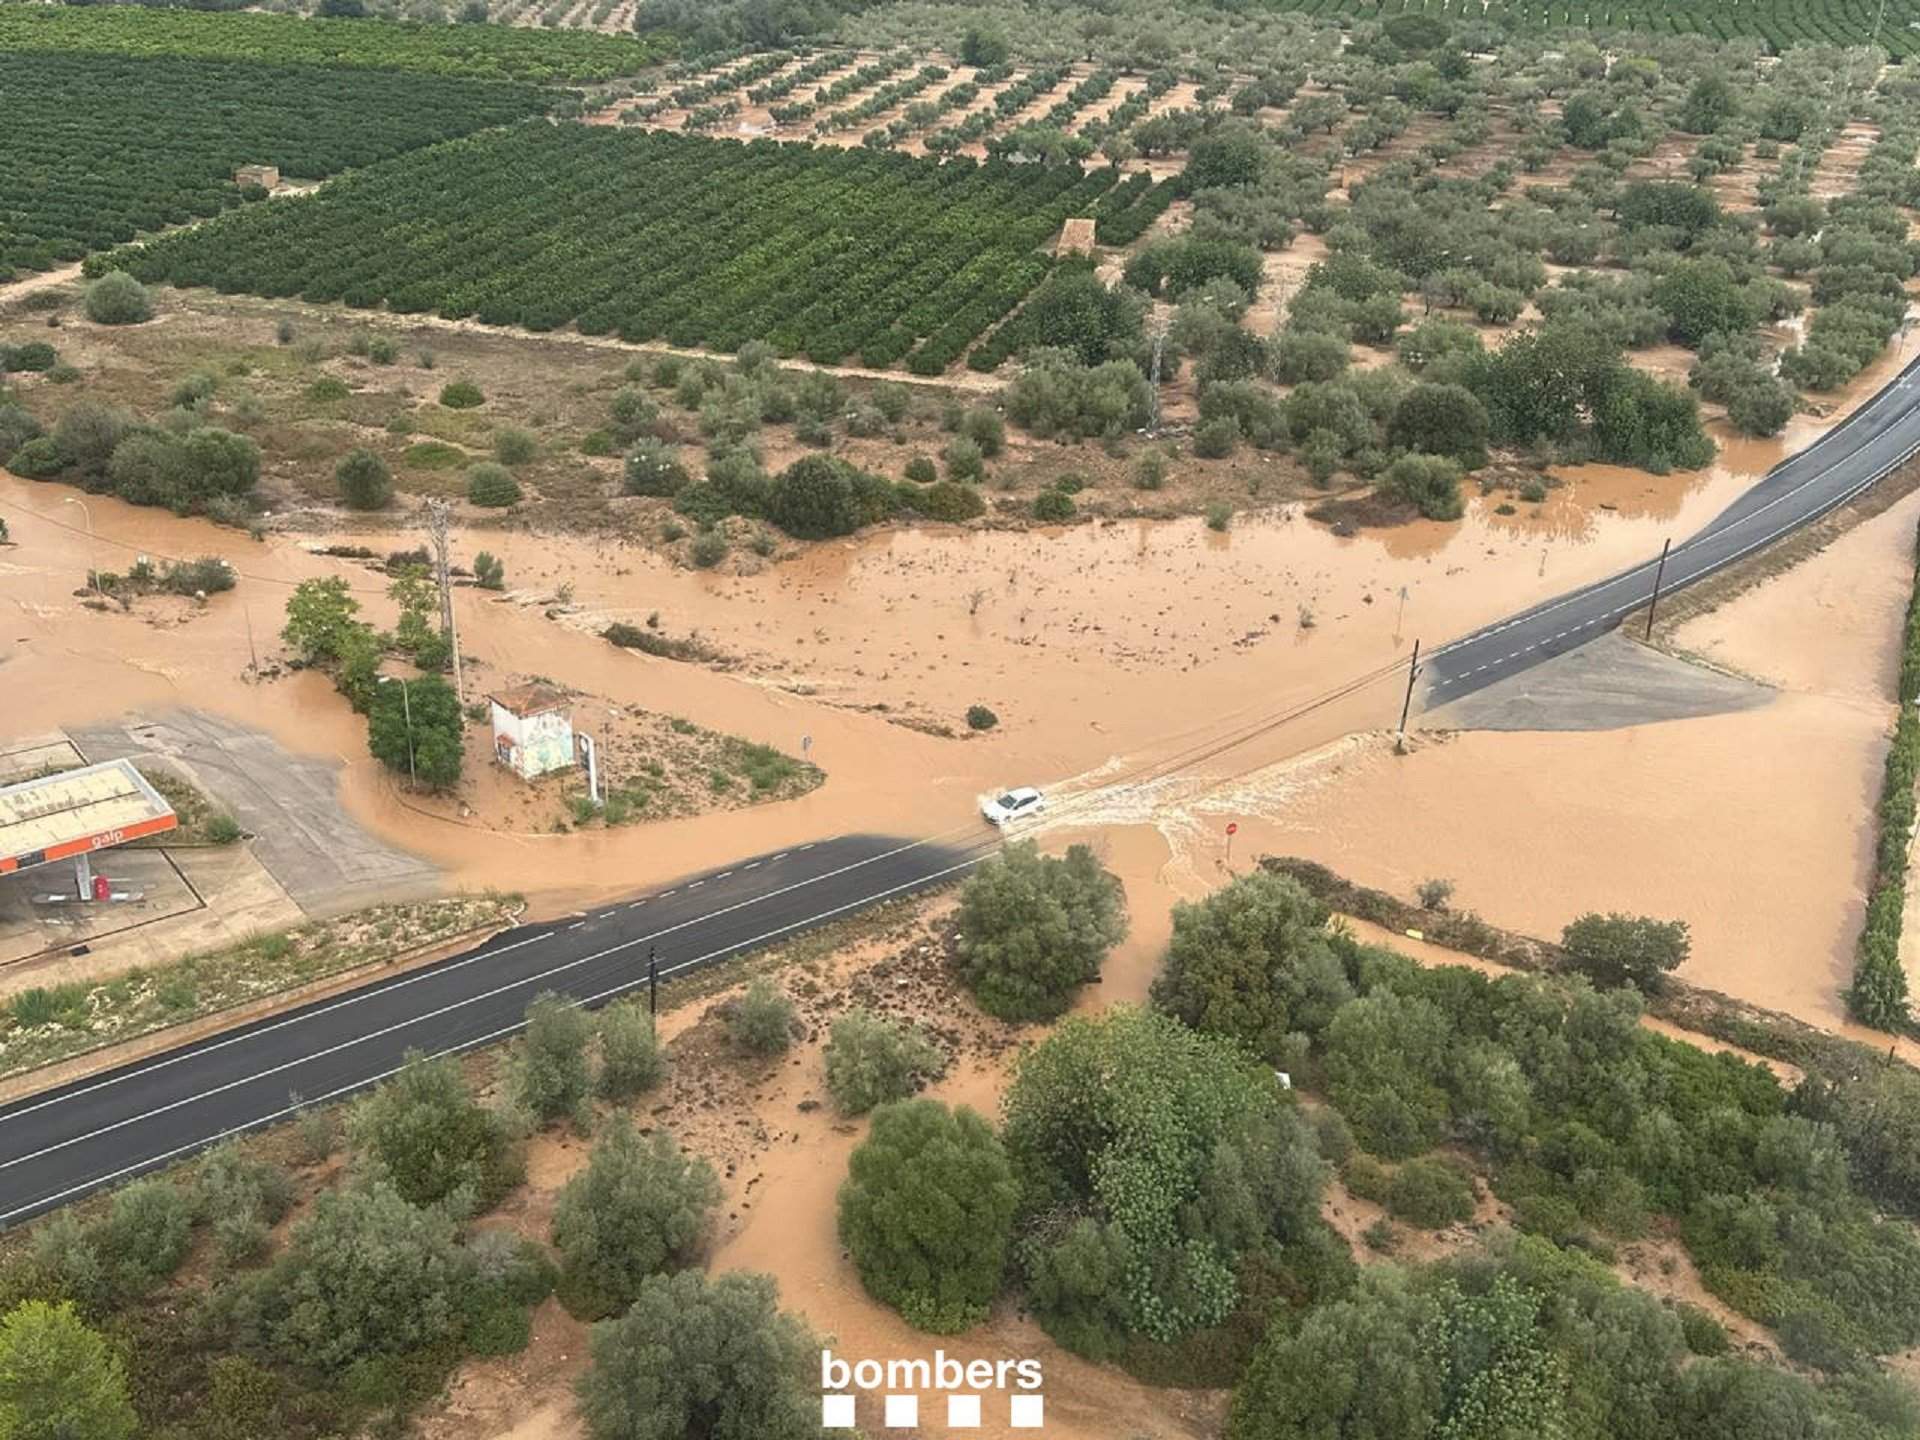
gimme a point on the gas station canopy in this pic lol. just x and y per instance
(76, 812)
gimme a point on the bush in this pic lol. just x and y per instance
(871, 1061)
(514, 447)
(709, 548)
(1058, 393)
(423, 1134)
(1053, 507)
(985, 429)
(653, 468)
(548, 1076)
(761, 1020)
(1430, 1192)
(34, 357)
(1429, 483)
(492, 486)
(927, 1211)
(1217, 438)
(461, 395)
(116, 298)
(328, 389)
(694, 1356)
(17, 428)
(950, 500)
(965, 459)
(1033, 929)
(921, 471)
(630, 1057)
(242, 1199)
(979, 717)
(489, 572)
(818, 497)
(638, 1208)
(365, 481)
(1150, 471)
(382, 351)
(1219, 515)
(222, 830)
(38, 458)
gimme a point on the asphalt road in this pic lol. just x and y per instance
(62, 1144)
(66, 1143)
(1831, 471)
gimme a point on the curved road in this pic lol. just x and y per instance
(68, 1142)
(1831, 471)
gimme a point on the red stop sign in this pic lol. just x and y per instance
(1233, 827)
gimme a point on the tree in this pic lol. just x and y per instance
(1179, 1157)
(640, 1207)
(364, 480)
(548, 1076)
(630, 1058)
(320, 620)
(1297, 356)
(1073, 311)
(1232, 155)
(424, 1135)
(1251, 963)
(88, 434)
(871, 1061)
(653, 468)
(60, 1380)
(1614, 949)
(1441, 420)
(1708, 106)
(116, 298)
(1033, 929)
(1702, 298)
(366, 1275)
(489, 571)
(414, 727)
(761, 1020)
(983, 48)
(813, 499)
(708, 1358)
(926, 1212)
(492, 485)
(17, 427)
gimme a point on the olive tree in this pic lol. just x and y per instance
(870, 1061)
(424, 1134)
(926, 1212)
(60, 1380)
(639, 1207)
(1033, 929)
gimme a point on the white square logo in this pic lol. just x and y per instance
(903, 1412)
(836, 1412)
(1027, 1410)
(963, 1412)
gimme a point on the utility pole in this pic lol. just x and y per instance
(653, 985)
(1659, 574)
(253, 655)
(1406, 705)
(437, 519)
(1153, 382)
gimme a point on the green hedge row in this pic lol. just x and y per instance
(1879, 994)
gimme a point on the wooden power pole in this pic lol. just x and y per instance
(437, 523)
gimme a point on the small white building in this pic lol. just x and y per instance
(532, 729)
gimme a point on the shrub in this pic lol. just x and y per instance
(891, 399)
(1430, 1192)
(489, 571)
(492, 486)
(818, 497)
(630, 1057)
(241, 1197)
(1219, 515)
(1367, 1178)
(979, 717)
(1216, 438)
(382, 351)
(1434, 894)
(422, 1133)
(694, 1356)
(1150, 471)
(38, 458)
(950, 500)
(36, 356)
(17, 428)
(514, 447)
(461, 395)
(638, 1208)
(871, 1061)
(116, 298)
(965, 459)
(761, 1020)
(985, 429)
(1033, 929)
(365, 481)
(709, 548)
(921, 471)
(327, 389)
(548, 1076)
(653, 468)
(927, 1212)
(222, 830)
(145, 1235)
(1053, 506)
(1430, 483)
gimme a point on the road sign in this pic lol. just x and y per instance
(1233, 827)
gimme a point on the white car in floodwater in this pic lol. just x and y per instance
(1011, 805)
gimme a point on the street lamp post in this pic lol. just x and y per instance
(406, 707)
(93, 575)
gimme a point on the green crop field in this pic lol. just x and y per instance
(122, 145)
(650, 235)
(497, 52)
(1779, 23)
